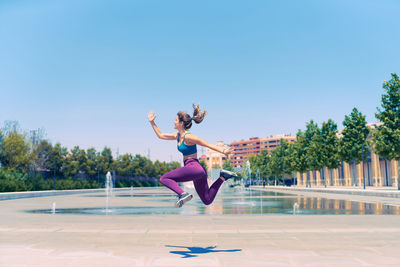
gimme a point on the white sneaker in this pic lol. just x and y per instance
(185, 197)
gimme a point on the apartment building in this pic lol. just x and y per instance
(213, 158)
(244, 148)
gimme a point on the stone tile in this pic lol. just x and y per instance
(72, 240)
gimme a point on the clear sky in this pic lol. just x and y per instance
(88, 72)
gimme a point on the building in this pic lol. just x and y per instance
(213, 158)
(375, 172)
(244, 148)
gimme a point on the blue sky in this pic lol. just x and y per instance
(88, 72)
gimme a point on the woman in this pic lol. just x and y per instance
(192, 170)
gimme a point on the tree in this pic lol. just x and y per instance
(41, 155)
(253, 163)
(138, 164)
(275, 164)
(11, 126)
(291, 160)
(81, 157)
(105, 160)
(36, 137)
(227, 165)
(123, 165)
(71, 163)
(387, 135)
(2, 152)
(91, 162)
(354, 145)
(329, 146)
(286, 151)
(148, 168)
(299, 156)
(15, 152)
(281, 161)
(161, 168)
(263, 160)
(204, 164)
(312, 145)
(58, 156)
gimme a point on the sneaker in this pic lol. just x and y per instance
(227, 174)
(185, 197)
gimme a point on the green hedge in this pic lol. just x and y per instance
(14, 181)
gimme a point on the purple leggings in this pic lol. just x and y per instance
(192, 171)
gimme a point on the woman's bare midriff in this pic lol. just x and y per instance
(192, 156)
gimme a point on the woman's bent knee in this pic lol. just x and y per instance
(162, 179)
(206, 202)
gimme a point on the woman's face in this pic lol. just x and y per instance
(177, 123)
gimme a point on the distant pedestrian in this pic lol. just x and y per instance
(263, 183)
(192, 170)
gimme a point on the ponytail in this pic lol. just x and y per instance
(198, 116)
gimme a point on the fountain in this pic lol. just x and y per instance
(295, 208)
(248, 168)
(108, 188)
(53, 208)
(229, 201)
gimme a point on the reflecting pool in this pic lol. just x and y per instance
(231, 201)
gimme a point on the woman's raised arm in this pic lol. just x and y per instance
(161, 135)
(198, 141)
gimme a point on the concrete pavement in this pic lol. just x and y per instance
(28, 239)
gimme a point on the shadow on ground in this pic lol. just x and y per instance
(194, 251)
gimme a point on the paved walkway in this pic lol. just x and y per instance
(228, 240)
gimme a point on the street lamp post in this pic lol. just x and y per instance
(362, 157)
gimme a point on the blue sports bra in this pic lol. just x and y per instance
(184, 149)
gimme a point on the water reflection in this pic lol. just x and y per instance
(250, 203)
(136, 195)
(114, 211)
(338, 206)
(237, 202)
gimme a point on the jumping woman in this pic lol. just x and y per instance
(192, 170)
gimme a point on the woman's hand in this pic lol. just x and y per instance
(151, 116)
(227, 151)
